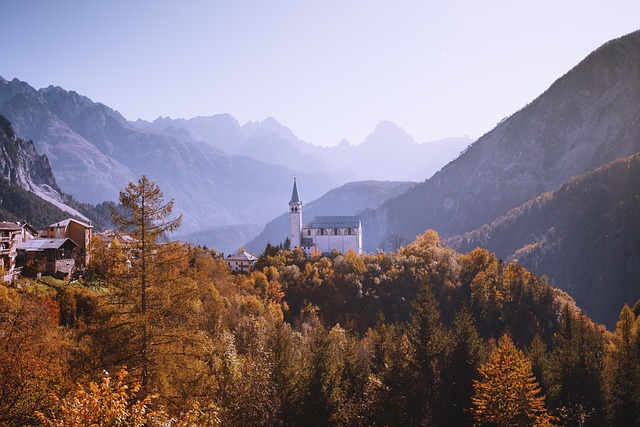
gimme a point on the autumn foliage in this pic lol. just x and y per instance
(419, 336)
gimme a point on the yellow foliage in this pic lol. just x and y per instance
(507, 393)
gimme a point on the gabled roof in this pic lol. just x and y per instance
(334, 222)
(65, 223)
(294, 193)
(11, 226)
(37, 245)
(242, 256)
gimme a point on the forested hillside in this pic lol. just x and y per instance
(584, 237)
(411, 337)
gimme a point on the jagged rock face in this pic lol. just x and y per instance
(585, 119)
(20, 163)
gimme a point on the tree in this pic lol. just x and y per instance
(430, 348)
(622, 370)
(118, 405)
(146, 218)
(573, 379)
(507, 393)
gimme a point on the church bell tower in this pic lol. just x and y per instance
(295, 217)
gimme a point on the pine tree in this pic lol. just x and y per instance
(430, 347)
(507, 393)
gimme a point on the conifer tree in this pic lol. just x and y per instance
(507, 393)
(153, 285)
(621, 372)
(430, 346)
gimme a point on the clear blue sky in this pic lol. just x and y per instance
(328, 69)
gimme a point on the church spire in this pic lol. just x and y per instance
(294, 194)
(295, 218)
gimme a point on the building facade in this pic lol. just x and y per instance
(241, 262)
(75, 230)
(325, 233)
(11, 235)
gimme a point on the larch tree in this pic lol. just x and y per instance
(145, 217)
(507, 393)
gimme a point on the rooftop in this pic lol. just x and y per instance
(35, 245)
(242, 256)
(334, 222)
(65, 223)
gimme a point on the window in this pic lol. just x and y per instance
(308, 232)
(335, 231)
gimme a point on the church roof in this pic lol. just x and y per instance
(294, 194)
(334, 222)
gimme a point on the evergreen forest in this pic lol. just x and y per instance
(162, 333)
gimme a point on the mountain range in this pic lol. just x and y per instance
(219, 173)
(554, 185)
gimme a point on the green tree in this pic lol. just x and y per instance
(430, 347)
(573, 377)
(507, 393)
(621, 372)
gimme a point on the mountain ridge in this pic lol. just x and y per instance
(585, 119)
(582, 236)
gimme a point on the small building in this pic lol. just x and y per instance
(56, 256)
(75, 230)
(241, 262)
(12, 234)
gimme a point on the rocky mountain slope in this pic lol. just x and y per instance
(348, 199)
(583, 236)
(94, 152)
(21, 166)
(587, 118)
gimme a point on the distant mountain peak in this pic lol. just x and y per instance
(387, 134)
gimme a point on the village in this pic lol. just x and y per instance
(62, 248)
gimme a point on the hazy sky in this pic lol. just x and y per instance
(326, 69)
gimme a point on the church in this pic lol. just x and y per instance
(324, 233)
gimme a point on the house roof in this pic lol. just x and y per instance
(12, 226)
(65, 223)
(37, 245)
(242, 256)
(334, 222)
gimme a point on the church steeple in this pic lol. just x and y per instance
(295, 218)
(294, 194)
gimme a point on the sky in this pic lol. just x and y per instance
(328, 70)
